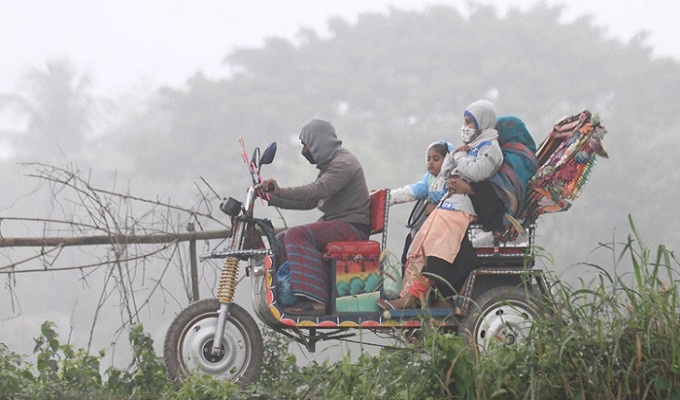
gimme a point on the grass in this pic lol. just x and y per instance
(615, 337)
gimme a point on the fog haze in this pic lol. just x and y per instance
(167, 116)
(128, 44)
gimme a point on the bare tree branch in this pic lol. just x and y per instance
(126, 235)
(113, 239)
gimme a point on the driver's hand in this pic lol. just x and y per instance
(271, 186)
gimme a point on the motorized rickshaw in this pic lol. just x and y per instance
(498, 302)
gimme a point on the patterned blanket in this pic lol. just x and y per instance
(566, 159)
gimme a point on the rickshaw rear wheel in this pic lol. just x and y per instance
(501, 316)
(188, 344)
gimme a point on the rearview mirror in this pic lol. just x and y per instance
(268, 154)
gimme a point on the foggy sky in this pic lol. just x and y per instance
(128, 44)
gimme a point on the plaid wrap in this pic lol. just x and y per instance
(303, 247)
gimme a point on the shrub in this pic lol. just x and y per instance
(15, 373)
(614, 337)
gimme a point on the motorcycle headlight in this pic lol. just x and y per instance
(231, 206)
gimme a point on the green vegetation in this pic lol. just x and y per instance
(615, 337)
(612, 338)
(62, 372)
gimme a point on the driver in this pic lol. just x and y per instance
(340, 192)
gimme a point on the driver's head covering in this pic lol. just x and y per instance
(319, 137)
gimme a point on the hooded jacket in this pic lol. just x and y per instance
(485, 156)
(340, 191)
(480, 162)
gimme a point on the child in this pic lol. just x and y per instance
(428, 191)
(440, 237)
(480, 155)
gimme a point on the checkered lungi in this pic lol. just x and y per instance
(302, 246)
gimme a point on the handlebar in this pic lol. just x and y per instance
(254, 165)
(267, 189)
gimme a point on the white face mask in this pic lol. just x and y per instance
(469, 134)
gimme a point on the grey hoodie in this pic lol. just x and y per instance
(340, 190)
(320, 138)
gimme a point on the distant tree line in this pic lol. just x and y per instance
(391, 84)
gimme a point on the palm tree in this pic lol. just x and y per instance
(57, 109)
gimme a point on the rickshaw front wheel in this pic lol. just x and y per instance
(188, 344)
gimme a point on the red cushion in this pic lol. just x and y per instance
(361, 247)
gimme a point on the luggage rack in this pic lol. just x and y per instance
(493, 252)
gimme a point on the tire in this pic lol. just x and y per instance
(189, 339)
(501, 316)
